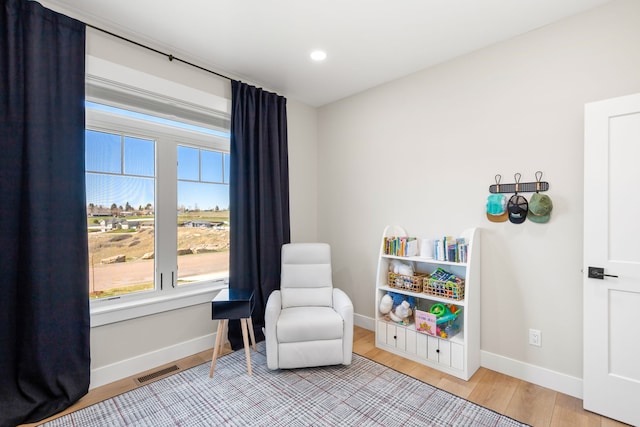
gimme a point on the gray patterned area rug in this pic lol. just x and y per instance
(365, 393)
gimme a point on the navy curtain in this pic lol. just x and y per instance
(44, 311)
(259, 197)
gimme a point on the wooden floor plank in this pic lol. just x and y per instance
(494, 390)
(532, 404)
(568, 411)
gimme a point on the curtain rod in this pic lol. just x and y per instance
(171, 57)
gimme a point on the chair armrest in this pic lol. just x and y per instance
(271, 314)
(344, 307)
(342, 303)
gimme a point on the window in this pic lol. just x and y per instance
(120, 181)
(157, 209)
(203, 214)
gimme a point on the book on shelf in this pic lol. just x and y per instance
(450, 249)
(401, 246)
(426, 322)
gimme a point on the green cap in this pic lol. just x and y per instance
(540, 207)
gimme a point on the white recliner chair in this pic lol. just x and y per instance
(308, 322)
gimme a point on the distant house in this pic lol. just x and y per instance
(198, 223)
(118, 224)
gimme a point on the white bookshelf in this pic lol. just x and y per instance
(458, 355)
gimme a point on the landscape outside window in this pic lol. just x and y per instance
(203, 215)
(121, 182)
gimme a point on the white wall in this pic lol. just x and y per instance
(422, 151)
(303, 171)
(129, 347)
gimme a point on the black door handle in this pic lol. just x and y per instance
(598, 273)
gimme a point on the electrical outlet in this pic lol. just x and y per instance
(535, 337)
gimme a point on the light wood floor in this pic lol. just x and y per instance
(525, 402)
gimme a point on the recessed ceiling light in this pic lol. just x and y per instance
(318, 55)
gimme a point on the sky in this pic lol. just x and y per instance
(121, 169)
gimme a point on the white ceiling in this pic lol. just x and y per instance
(368, 42)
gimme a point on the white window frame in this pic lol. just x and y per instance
(119, 94)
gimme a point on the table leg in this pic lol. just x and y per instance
(217, 345)
(243, 323)
(251, 334)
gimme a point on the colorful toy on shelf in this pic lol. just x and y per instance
(444, 313)
(441, 333)
(438, 309)
(449, 331)
(444, 276)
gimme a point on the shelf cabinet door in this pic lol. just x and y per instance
(457, 356)
(410, 341)
(444, 348)
(421, 346)
(401, 338)
(433, 349)
(440, 351)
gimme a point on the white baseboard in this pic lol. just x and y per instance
(524, 371)
(543, 377)
(144, 362)
(364, 321)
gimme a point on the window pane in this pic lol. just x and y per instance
(103, 152)
(138, 156)
(211, 166)
(227, 168)
(120, 218)
(188, 163)
(203, 222)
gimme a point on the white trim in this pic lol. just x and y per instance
(365, 322)
(100, 72)
(111, 313)
(544, 377)
(135, 365)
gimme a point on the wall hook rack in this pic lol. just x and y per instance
(519, 187)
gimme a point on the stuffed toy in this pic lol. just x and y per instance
(396, 307)
(398, 298)
(386, 304)
(401, 313)
(398, 267)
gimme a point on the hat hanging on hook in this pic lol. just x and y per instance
(540, 205)
(517, 205)
(497, 205)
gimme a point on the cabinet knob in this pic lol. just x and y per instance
(395, 337)
(438, 350)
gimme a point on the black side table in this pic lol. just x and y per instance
(233, 304)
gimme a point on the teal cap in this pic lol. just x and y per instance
(497, 208)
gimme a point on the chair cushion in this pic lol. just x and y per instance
(305, 354)
(305, 278)
(319, 323)
(307, 297)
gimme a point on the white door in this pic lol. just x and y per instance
(611, 384)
